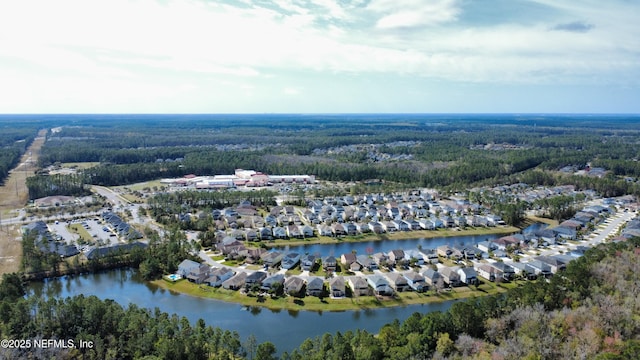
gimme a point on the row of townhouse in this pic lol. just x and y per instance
(120, 226)
(47, 242)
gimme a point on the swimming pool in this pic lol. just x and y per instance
(174, 277)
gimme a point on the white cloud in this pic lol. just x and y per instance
(404, 14)
(151, 46)
(290, 91)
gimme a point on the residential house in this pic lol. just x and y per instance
(376, 227)
(237, 234)
(185, 267)
(257, 221)
(437, 222)
(415, 256)
(547, 236)
(324, 230)
(315, 286)
(486, 271)
(504, 271)
(347, 259)
(415, 281)
(235, 282)
(495, 220)
(271, 220)
(397, 281)
(427, 224)
(307, 262)
(524, 270)
(337, 229)
(482, 221)
(355, 266)
(380, 285)
(358, 285)
(329, 263)
(363, 228)
(449, 252)
(294, 232)
(468, 276)
(565, 232)
(279, 232)
(450, 276)
(337, 287)
(307, 231)
(293, 285)
(380, 258)
(271, 258)
(219, 275)
(367, 262)
(572, 224)
(447, 221)
(471, 253)
(350, 228)
(430, 256)
(252, 255)
(413, 224)
(554, 263)
(401, 225)
(265, 233)
(251, 234)
(486, 246)
(271, 281)
(460, 221)
(290, 260)
(540, 268)
(431, 277)
(395, 256)
(193, 271)
(389, 226)
(255, 278)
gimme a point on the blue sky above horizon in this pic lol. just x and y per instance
(319, 56)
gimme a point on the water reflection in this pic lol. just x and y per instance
(126, 287)
(369, 247)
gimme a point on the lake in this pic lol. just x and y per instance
(286, 329)
(388, 245)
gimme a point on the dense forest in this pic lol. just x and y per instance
(14, 140)
(443, 151)
(587, 312)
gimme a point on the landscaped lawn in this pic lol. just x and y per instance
(327, 304)
(81, 231)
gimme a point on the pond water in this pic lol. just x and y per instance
(286, 329)
(405, 244)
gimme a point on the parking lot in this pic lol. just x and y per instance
(98, 232)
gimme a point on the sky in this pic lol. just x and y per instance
(320, 56)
